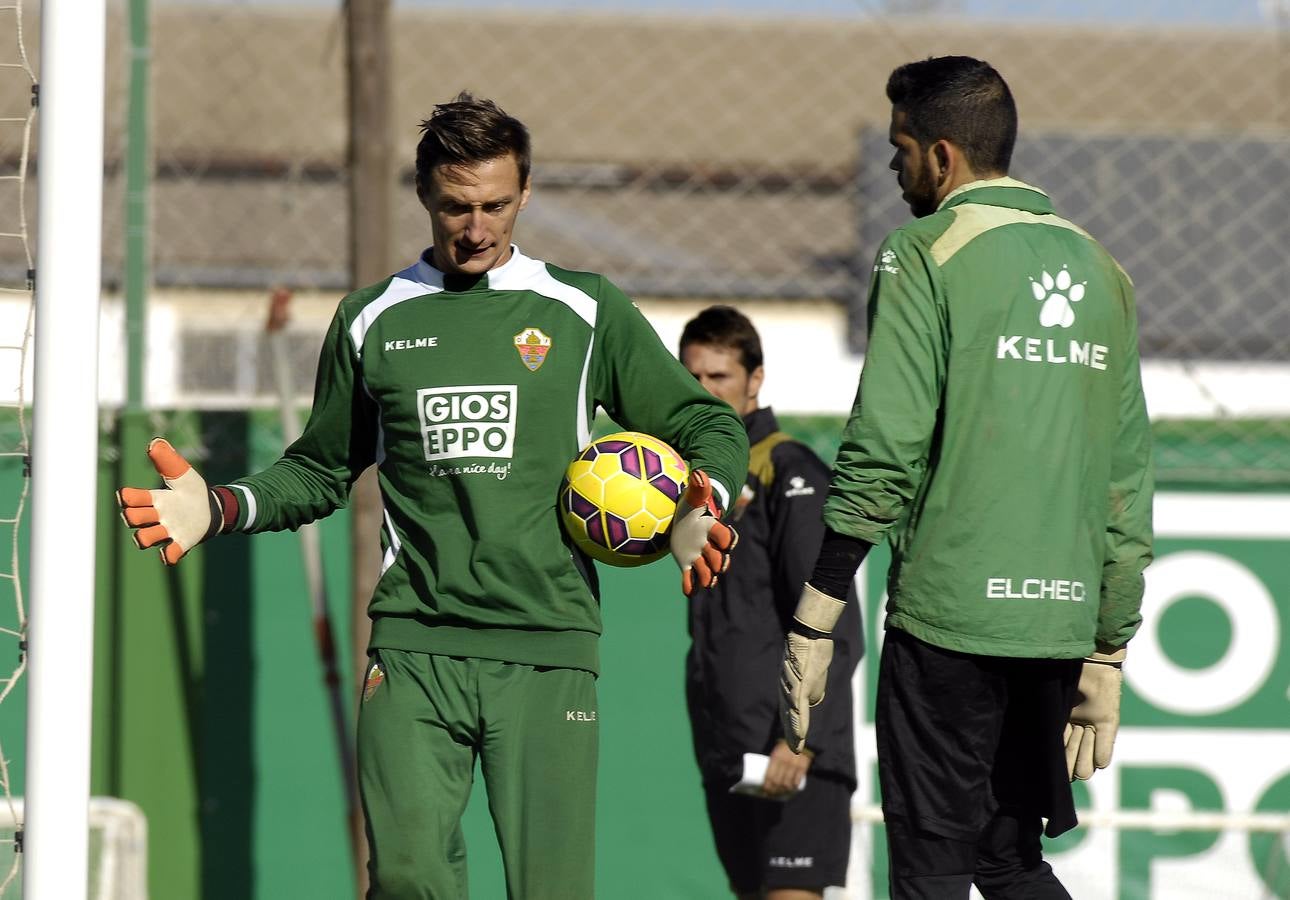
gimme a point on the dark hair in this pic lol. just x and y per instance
(725, 326)
(961, 100)
(466, 131)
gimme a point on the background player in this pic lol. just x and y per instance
(1000, 438)
(784, 845)
(470, 379)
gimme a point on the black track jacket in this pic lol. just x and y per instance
(737, 628)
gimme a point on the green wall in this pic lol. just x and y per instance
(210, 709)
(13, 711)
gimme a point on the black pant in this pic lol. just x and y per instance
(971, 761)
(1005, 864)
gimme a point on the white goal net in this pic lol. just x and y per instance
(118, 861)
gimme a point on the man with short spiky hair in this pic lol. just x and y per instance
(470, 379)
(999, 440)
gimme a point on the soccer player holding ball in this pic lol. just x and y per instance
(470, 379)
(1000, 441)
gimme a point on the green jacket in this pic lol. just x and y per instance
(472, 396)
(999, 435)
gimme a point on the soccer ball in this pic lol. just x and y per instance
(619, 495)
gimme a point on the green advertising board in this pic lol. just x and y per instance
(1205, 720)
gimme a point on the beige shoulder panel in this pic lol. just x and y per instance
(759, 462)
(971, 220)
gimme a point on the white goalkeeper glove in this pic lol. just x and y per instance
(700, 541)
(808, 649)
(1090, 734)
(177, 518)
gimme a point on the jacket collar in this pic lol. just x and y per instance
(428, 274)
(761, 424)
(1007, 192)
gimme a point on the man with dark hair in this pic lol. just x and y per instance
(1000, 440)
(960, 100)
(787, 840)
(470, 380)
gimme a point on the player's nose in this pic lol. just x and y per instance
(476, 227)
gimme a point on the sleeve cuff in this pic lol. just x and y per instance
(722, 493)
(243, 507)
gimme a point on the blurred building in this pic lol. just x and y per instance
(707, 158)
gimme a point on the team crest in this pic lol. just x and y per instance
(375, 675)
(533, 346)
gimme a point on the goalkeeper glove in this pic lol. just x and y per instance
(180, 516)
(808, 649)
(1090, 734)
(700, 541)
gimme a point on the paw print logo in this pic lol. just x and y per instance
(887, 263)
(1057, 295)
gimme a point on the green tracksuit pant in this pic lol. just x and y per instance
(423, 722)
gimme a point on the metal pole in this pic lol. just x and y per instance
(138, 207)
(64, 448)
(367, 76)
(311, 556)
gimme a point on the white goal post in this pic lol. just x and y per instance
(64, 448)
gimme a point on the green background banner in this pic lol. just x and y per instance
(211, 712)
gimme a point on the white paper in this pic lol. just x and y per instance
(754, 775)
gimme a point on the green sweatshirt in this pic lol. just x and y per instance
(472, 395)
(999, 431)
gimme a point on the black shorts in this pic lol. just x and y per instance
(802, 842)
(961, 736)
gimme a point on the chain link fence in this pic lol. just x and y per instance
(706, 155)
(727, 155)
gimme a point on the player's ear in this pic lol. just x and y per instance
(943, 157)
(755, 378)
(525, 191)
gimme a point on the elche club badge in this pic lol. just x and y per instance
(532, 346)
(375, 675)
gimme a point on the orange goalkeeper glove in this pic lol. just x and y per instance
(178, 517)
(700, 541)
